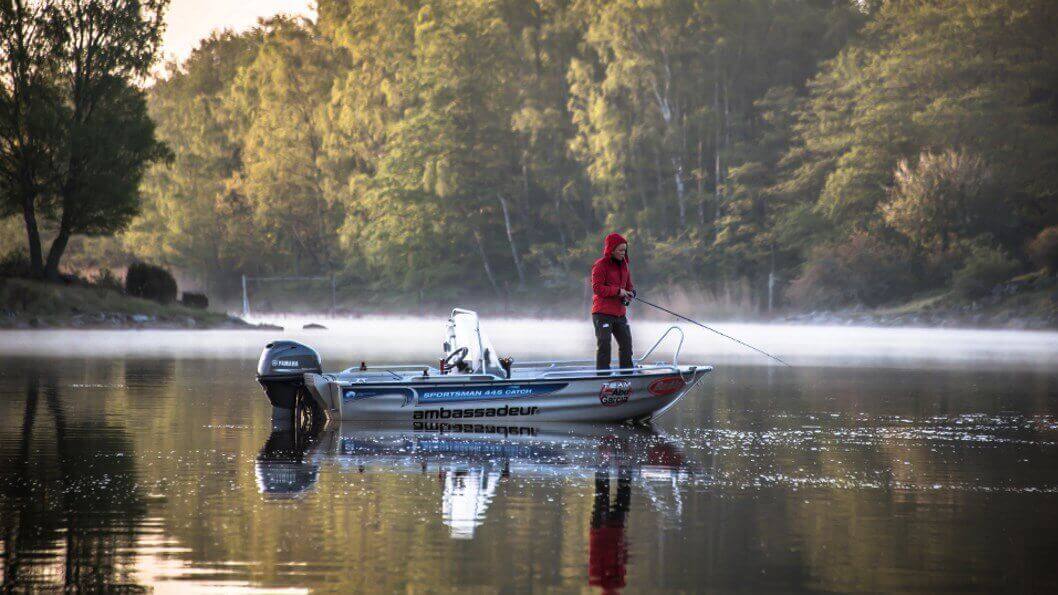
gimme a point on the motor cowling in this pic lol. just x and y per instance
(281, 372)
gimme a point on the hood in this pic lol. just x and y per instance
(612, 241)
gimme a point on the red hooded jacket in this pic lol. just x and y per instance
(608, 278)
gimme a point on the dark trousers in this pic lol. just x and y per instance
(617, 327)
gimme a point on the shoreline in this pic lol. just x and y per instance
(217, 321)
(32, 305)
(29, 305)
(129, 322)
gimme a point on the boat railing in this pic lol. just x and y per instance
(679, 346)
(386, 368)
(550, 365)
(547, 365)
(592, 372)
(392, 369)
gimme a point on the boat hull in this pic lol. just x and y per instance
(637, 396)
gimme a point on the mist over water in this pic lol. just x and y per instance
(347, 341)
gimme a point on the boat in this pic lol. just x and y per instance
(471, 384)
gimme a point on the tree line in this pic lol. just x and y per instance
(840, 151)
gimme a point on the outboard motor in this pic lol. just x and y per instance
(281, 372)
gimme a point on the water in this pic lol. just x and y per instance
(887, 460)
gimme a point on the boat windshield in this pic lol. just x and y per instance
(464, 330)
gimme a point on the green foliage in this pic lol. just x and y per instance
(114, 146)
(860, 270)
(944, 198)
(150, 282)
(984, 268)
(106, 279)
(1044, 249)
(445, 146)
(192, 215)
(944, 73)
(276, 102)
(72, 119)
(14, 264)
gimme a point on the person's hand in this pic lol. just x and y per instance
(625, 294)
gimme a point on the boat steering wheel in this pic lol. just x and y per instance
(455, 359)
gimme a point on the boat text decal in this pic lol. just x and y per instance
(448, 395)
(473, 428)
(352, 394)
(615, 392)
(504, 411)
(666, 386)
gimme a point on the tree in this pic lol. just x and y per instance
(103, 45)
(449, 157)
(192, 216)
(29, 116)
(277, 102)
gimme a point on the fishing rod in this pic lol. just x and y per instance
(708, 328)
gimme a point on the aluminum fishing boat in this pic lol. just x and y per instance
(471, 384)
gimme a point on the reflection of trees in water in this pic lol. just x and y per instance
(147, 383)
(70, 504)
(152, 373)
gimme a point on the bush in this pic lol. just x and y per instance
(944, 197)
(195, 300)
(150, 282)
(106, 279)
(14, 264)
(983, 269)
(864, 269)
(1044, 249)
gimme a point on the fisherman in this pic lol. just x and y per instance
(612, 291)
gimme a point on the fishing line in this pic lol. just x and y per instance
(708, 328)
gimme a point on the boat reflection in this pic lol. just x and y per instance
(282, 467)
(472, 460)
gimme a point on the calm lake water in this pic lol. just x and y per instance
(885, 460)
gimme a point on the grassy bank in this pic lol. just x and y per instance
(34, 304)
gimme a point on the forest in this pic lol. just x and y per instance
(777, 153)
